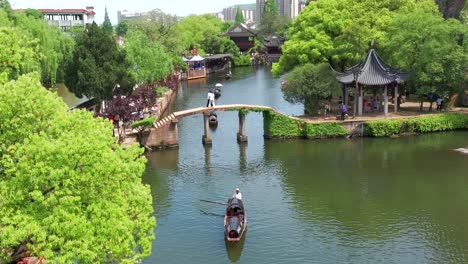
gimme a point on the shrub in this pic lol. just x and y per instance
(147, 122)
(243, 60)
(160, 91)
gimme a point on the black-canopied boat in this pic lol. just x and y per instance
(217, 93)
(213, 119)
(235, 220)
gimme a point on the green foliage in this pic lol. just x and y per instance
(239, 17)
(149, 59)
(69, 192)
(270, 21)
(146, 123)
(309, 84)
(280, 126)
(340, 32)
(99, 68)
(431, 48)
(34, 13)
(324, 130)
(18, 54)
(54, 48)
(242, 60)
(160, 91)
(195, 30)
(422, 124)
(107, 25)
(122, 28)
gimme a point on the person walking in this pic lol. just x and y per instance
(210, 99)
(344, 111)
(439, 102)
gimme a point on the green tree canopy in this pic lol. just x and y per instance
(99, 68)
(122, 28)
(239, 16)
(18, 54)
(340, 31)
(55, 49)
(308, 84)
(432, 49)
(270, 21)
(69, 192)
(149, 59)
(107, 25)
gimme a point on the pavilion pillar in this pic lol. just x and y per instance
(346, 98)
(241, 135)
(395, 99)
(385, 101)
(206, 139)
(360, 101)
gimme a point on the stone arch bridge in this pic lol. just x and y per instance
(165, 131)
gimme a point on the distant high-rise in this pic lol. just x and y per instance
(248, 12)
(286, 8)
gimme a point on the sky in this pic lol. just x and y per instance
(174, 7)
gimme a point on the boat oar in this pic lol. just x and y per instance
(213, 202)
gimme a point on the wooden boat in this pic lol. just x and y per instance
(235, 220)
(213, 118)
(217, 93)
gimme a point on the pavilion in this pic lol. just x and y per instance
(372, 73)
(242, 35)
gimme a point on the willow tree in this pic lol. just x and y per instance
(54, 48)
(69, 192)
(19, 54)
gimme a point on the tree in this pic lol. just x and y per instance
(54, 48)
(309, 84)
(432, 49)
(107, 25)
(149, 59)
(270, 21)
(69, 192)
(339, 32)
(18, 54)
(99, 69)
(122, 28)
(239, 16)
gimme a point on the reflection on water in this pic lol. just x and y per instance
(234, 249)
(68, 97)
(309, 201)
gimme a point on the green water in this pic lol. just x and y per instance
(329, 201)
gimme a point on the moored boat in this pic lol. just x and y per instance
(217, 92)
(213, 118)
(235, 220)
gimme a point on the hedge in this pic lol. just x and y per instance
(421, 124)
(148, 122)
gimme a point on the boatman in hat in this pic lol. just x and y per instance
(237, 194)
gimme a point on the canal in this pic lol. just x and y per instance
(308, 201)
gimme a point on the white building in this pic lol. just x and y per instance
(127, 15)
(248, 12)
(65, 19)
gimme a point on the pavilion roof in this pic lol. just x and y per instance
(239, 30)
(373, 71)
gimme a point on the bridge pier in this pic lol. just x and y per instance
(206, 139)
(241, 136)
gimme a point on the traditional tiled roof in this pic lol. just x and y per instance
(240, 30)
(273, 40)
(373, 71)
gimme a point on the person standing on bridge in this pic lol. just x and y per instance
(210, 99)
